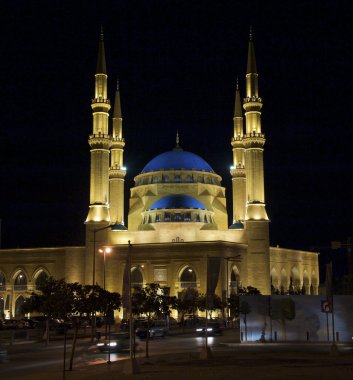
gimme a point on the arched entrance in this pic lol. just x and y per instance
(20, 282)
(188, 278)
(234, 280)
(274, 281)
(136, 278)
(41, 278)
(18, 307)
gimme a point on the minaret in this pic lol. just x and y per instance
(237, 171)
(117, 170)
(256, 220)
(254, 141)
(99, 142)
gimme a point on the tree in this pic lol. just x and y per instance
(186, 303)
(104, 302)
(151, 301)
(216, 304)
(81, 305)
(283, 310)
(245, 309)
(54, 300)
(248, 291)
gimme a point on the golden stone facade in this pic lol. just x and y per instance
(177, 216)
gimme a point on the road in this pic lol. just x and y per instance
(36, 357)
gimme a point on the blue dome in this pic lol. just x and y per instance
(177, 159)
(177, 201)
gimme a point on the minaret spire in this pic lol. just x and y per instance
(254, 141)
(100, 142)
(256, 219)
(101, 64)
(117, 170)
(237, 170)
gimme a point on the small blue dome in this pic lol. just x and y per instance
(177, 201)
(177, 159)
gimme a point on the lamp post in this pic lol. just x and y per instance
(111, 226)
(104, 251)
(131, 366)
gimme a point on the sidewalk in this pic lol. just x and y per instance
(269, 366)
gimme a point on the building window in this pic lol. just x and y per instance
(2, 281)
(136, 278)
(167, 217)
(188, 278)
(41, 279)
(177, 217)
(187, 217)
(18, 307)
(20, 282)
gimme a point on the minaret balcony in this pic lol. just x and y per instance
(100, 100)
(237, 143)
(117, 143)
(117, 172)
(253, 99)
(254, 140)
(238, 172)
(100, 141)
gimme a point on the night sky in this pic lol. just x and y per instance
(177, 62)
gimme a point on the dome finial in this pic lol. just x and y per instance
(177, 140)
(102, 34)
(237, 85)
(250, 34)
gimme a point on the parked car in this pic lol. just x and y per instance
(213, 328)
(125, 323)
(158, 328)
(117, 342)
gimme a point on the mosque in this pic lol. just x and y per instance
(177, 226)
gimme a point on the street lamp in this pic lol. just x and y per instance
(113, 227)
(104, 251)
(131, 366)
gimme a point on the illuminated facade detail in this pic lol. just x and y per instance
(177, 216)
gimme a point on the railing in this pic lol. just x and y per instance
(20, 287)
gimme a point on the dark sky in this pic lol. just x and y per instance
(177, 62)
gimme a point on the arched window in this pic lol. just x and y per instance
(2, 281)
(18, 307)
(41, 279)
(136, 278)
(295, 279)
(188, 278)
(274, 280)
(2, 308)
(177, 217)
(284, 281)
(20, 281)
(234, 280)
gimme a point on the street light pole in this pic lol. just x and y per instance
(104, 251)
(131, 366)
(94, 275)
